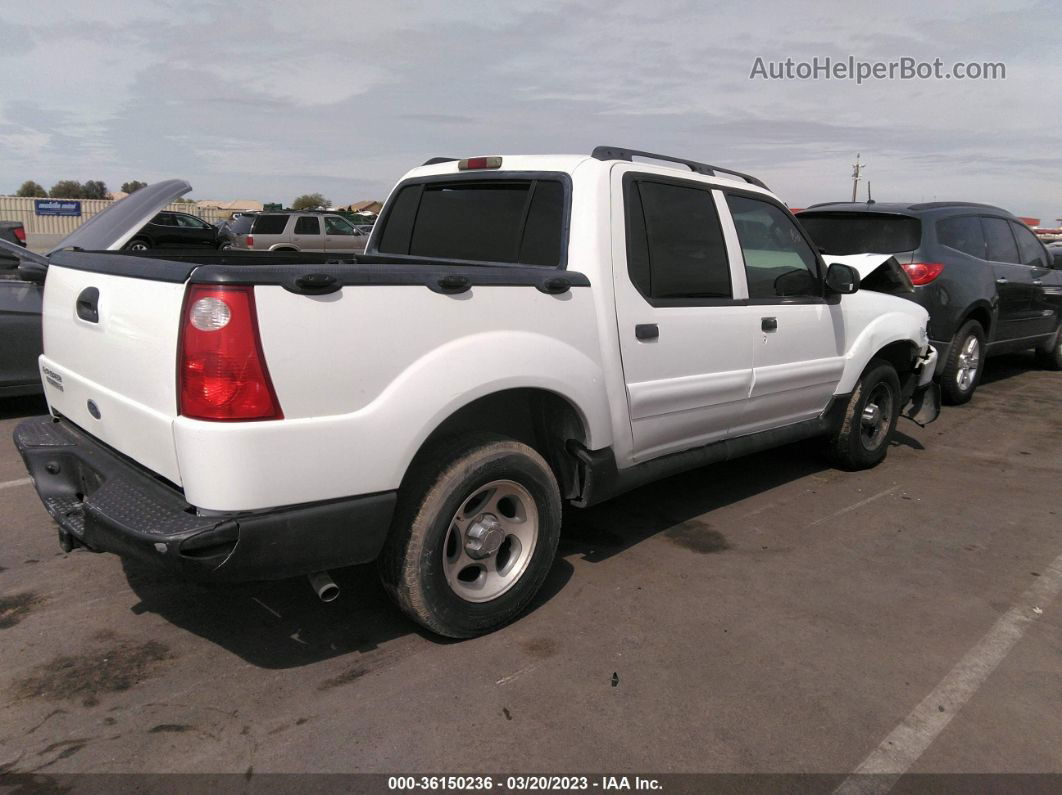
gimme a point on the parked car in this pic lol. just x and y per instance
(13, 232)
(989, 284)
(302, 231)
(171, 229)
(20, 330)
(524, 331)
(232, 231)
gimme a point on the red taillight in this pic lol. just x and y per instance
(250, 241)
(923, 272)
(221, 372)
(20, 233)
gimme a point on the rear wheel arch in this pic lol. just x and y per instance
(542, 419)
(983, 315)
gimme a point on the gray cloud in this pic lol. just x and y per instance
(278, 99)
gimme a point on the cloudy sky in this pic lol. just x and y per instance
(270, 100)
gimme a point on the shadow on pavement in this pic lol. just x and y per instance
(283, 624)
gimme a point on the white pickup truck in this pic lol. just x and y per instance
(521, 331)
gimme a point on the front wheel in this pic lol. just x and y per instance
(870, 418)
(474, 535)
(137, 244)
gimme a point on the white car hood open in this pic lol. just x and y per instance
(112, 228)
(895, 277)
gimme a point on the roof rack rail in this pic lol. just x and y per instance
(434, 161)
(619, 153)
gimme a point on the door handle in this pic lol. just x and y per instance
(769, 324)
(88, 305)
(1038, 283)
(1001, 280)
(647, 331)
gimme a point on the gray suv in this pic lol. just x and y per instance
(302, 231)
(988, 283)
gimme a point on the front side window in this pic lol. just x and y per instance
(779, 263)
(1029, 248)
(338, 226)
(164, 219)
(191, 222)
(1001, 245)
(962, 233)
(511, 221)
(675, 247)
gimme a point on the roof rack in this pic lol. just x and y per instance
(619, 153)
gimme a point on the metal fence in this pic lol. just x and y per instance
(14, 208)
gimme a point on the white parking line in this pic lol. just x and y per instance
(853, 506)
(880, 771)
(12, 483)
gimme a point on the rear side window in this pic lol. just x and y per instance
(307, 225)
(675, 245)
(862, 233)
(1029, 248)
(962, 233)
(518, 221)
(1001, 245)
(779, 263)
(269, 224)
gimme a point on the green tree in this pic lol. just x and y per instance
(133, 186)
(310, 201)
(66, 189)
(94, 189)
(30, 188)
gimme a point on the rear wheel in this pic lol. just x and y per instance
(870, 418)
(962, 371)
(137, 244)
(1050, 355)
(474, 535)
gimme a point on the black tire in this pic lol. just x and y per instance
(137, 244)
(961, 375)
(441, 483)
(859, 443)
(1050, 355)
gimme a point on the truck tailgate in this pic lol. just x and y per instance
(113, 371)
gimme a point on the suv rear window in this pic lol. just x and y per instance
(518, 221)
(242, 225)
(861, 233)
(269, 224)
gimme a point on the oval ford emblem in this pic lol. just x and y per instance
(93, 409)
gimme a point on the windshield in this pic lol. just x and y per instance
(859, 233)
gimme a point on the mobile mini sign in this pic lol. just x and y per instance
(56, 207)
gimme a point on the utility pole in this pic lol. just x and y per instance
(857, 171)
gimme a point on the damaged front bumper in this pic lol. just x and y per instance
(923, 405)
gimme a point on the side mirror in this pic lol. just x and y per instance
(32, 272)
(842, 279)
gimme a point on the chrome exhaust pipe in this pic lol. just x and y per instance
(324, 586)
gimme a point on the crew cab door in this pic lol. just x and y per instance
(684, 332)
(798, 354)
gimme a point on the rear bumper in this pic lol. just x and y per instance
(105, 502)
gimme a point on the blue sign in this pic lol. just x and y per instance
(56, 207)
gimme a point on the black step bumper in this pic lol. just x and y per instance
(107, 503)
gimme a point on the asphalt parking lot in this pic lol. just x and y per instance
(766, 615)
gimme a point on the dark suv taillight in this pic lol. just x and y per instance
(923, 272)
(20, 234)
(221, 371)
